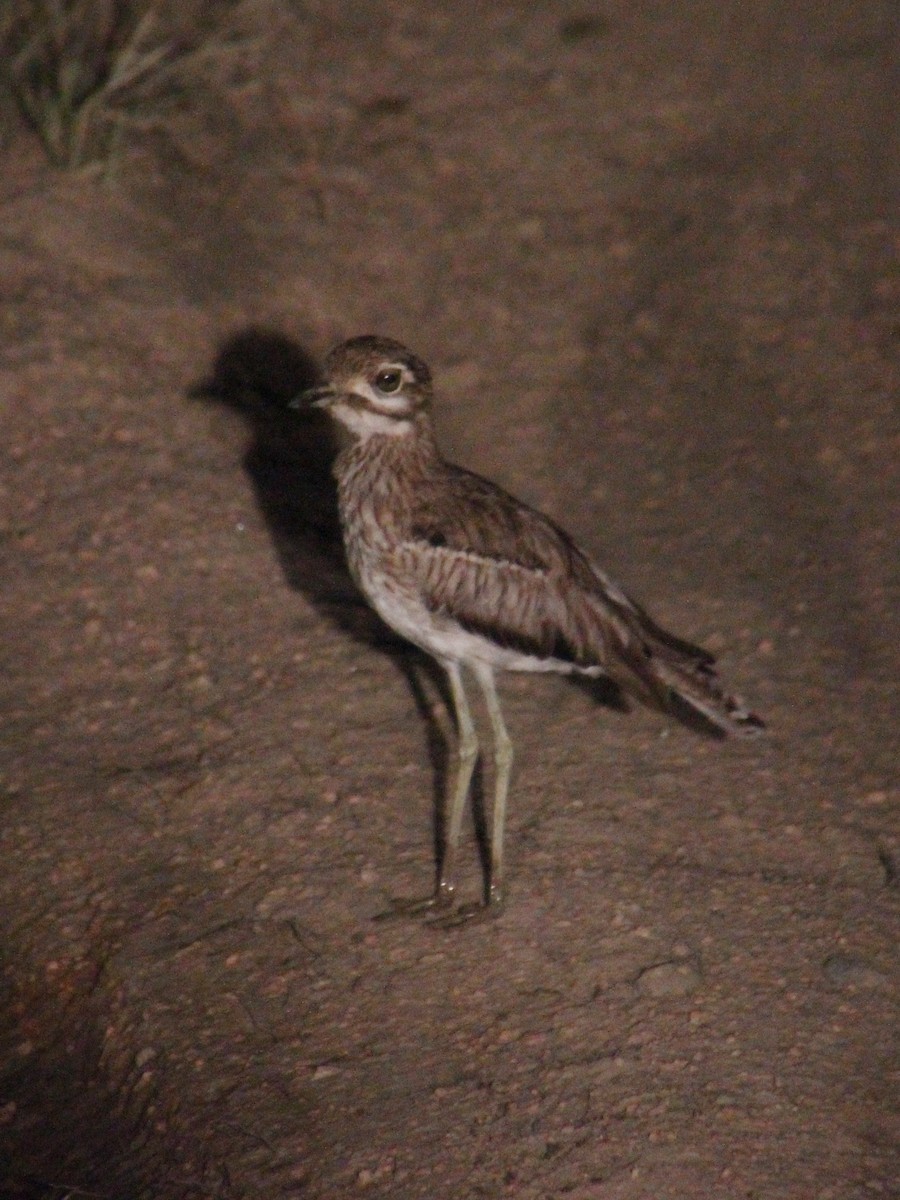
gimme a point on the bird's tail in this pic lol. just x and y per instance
(672, 674)
(693, 692)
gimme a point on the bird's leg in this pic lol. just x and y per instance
(467, 756)
(503, 760)
(503, 757)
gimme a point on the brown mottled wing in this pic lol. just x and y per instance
(504, 570)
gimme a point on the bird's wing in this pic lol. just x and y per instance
(504, 570)
(519, 607)
(464, 512)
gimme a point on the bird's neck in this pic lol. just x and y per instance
(382, 476)
(390, 456)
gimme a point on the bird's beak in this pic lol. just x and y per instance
(314, 397)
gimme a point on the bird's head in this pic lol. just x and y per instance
(374, 385)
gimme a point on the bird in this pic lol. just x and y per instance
(484, 583)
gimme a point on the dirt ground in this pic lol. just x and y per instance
(651, 254)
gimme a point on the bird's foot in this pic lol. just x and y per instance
(404, 906)
(465, 914)
(441, 913)
(470, 914)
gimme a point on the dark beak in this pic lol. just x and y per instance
(314, 397)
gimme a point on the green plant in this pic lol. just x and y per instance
(84, 73)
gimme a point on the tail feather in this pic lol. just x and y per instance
(668, 673)
(702, 694)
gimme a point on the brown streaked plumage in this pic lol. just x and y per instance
(479, 580)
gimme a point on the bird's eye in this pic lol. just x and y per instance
(389, 380)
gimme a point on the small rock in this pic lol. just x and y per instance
(845, 970)
(670, 979)
(367, 1176)
(325, 1071)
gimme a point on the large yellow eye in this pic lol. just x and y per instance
(389, 380)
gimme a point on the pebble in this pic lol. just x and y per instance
(324, 1071)
(670, 979)
(846, 970)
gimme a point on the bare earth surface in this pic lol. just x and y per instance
(651, 254)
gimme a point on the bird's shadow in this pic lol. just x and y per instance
(289, 457)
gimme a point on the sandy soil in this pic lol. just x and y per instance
(651, 253)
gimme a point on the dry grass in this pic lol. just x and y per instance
(88, 74)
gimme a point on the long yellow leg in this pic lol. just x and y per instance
(503, 760)
(467, 756)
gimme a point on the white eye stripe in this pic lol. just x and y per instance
(366, 422)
